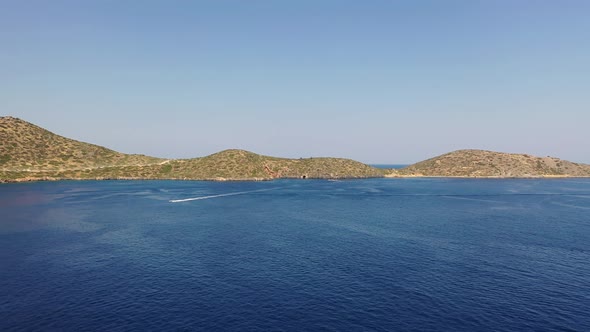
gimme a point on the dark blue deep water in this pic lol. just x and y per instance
(363, 255)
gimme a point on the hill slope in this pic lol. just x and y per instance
(28, 152)
(480, 163)
(24, 146)
(243, 164)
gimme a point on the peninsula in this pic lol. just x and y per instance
(31, 153)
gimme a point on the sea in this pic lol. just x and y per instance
(389, 166)
(420, 254)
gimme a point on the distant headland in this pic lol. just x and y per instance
(31, 153)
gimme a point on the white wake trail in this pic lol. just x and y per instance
(220, 195)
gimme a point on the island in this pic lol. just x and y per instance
(31, 153)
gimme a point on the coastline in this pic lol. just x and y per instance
(30, 153)
(258, 179)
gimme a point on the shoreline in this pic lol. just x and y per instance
(221, 179)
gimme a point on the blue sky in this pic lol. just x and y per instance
(376, 81)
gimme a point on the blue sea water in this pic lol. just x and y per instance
(389, 166)
(296, 255)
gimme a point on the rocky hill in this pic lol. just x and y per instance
(240, 164)
(28, 152)
(27, 147)
(481, 163)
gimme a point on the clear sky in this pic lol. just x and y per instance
(376, 81)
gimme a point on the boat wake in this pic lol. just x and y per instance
(220, 195)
